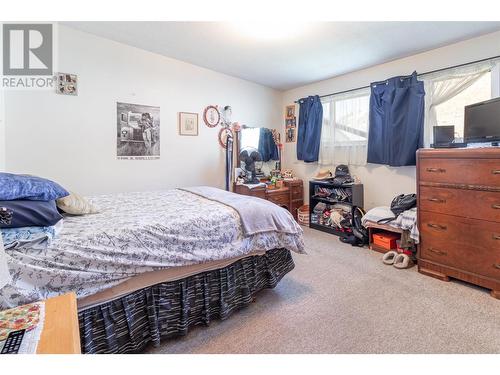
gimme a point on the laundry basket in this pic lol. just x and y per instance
(303, 215)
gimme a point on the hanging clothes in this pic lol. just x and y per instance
(309, 131)
(396, 121)
(267, 147)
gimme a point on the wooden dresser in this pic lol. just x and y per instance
(290, 196)
(459, 215)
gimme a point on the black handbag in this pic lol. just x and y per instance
(400, 204)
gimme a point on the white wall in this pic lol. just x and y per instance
(2, 132)
(73, 139)
(382, 183)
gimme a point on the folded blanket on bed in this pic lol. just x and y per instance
(250, 209)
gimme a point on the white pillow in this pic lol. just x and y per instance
(75, 204)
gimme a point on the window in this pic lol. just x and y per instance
(451, 112)
(344, 135)
(449, 91)
(250, 138)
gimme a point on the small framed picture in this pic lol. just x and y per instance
(188, 123)
(290, 111)
(67, 84)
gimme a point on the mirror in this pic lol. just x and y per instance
(258, 148)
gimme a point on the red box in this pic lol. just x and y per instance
(386, 240)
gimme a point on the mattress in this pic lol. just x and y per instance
(133, 234)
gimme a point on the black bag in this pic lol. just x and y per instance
(359, 236)
(342, 170)
(400, 204)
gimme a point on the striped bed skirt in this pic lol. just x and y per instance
(167, 310)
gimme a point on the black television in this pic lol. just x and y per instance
(482, 121)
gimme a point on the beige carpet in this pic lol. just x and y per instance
(341, 299)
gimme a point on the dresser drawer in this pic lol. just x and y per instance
(297, 193)
(281, 199)
(485, 172)
(474, 204)
(467, 244)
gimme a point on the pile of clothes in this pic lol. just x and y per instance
(337, 216)
(334, 194)
(31, 209)
(402, 214)
(31, 202)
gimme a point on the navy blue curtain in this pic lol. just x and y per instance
(267, 147)
(309, 131)
(396, 121)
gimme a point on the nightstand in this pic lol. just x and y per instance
(290, 196)
(61, 333)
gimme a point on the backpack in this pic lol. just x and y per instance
(400, 204)
(359, 236)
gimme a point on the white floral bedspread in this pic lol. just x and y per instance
(133, 233)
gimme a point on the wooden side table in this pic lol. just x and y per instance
(61, 333)
(290, 196)
(374, 228)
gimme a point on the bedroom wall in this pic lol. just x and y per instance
(382, 183)
(73, 139)
(2, 132)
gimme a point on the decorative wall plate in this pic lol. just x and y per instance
(223, 134)
(211, 116)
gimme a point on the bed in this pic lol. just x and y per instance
(152, 264)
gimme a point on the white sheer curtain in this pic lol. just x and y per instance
(344, 135)
(443, 86)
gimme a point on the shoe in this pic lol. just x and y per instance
(402, 261)
(389, 257)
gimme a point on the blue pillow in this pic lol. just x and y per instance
(16, 186)
(31, 213)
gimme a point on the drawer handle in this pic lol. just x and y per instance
(438, 252)
(437, 200)
(496, 237)
(436, 226)
(497, 266)
(496, 171)
(436, 170)
(495, 206)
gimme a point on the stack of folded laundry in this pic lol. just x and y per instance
(32, 202)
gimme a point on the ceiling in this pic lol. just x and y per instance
(286, 55)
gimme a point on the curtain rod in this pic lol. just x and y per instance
(418, 75)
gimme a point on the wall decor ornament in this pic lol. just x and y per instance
(188, 123)
(67, 84)
(211, 116)
(226, 115)
(224, 133)
(138, 131)
(290, 124)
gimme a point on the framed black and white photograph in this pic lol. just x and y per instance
(188, 123)
(67, 84)
(138, 131)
